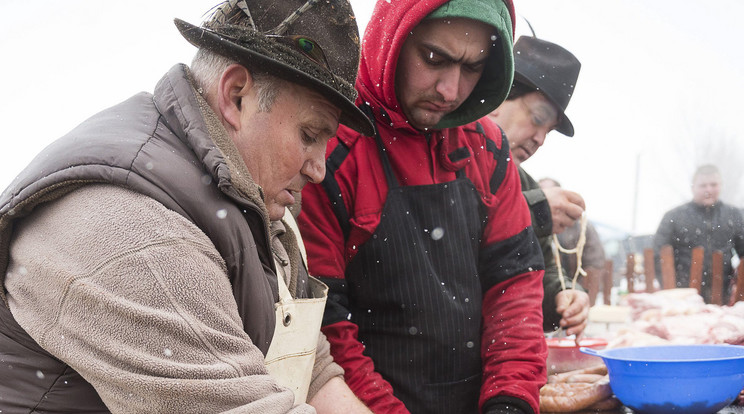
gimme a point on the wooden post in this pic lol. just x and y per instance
(669, 280)
(607, 281)
(740, 282)
(630, 271)
(696, 268)
(716, 286)
(649, 268)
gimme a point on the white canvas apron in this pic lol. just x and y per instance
(291, 355)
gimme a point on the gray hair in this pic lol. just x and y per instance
(207, 68)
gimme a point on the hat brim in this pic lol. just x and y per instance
(564, 126)
(200, 37)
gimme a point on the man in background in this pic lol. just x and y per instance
(706, 222)
(545, 75)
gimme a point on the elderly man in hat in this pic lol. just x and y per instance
(420, 230)
(545, 75)
(146, 264)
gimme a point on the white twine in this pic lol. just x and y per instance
(578, 251)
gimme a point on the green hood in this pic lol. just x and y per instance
(498, 75)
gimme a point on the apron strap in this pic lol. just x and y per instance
(392, 180)
(500, 155)
(291, 225)
(284, 295)
(333, 190)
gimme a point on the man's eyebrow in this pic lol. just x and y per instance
(439, 51)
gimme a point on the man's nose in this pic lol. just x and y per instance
(314, 167)
(540, 136)
(449, 84)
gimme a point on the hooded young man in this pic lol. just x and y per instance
(545, 75)
(421, 231)
(144, 261)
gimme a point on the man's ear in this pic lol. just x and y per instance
(235, 83)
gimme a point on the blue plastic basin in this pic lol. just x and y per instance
(694, 379)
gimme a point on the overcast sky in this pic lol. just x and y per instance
(658, 78)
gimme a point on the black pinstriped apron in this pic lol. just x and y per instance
(416, 295)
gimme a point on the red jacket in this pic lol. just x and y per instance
(512, 342)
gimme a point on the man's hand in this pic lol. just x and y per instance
(565, 207)
(573, 306)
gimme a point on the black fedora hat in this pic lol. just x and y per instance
(550, 69)
(312, 43)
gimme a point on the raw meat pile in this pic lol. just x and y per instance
(679, 316)
(674, 316)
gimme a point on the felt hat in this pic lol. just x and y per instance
(313, 43)
(550, 69)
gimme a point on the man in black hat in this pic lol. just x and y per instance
(147, 261)
(545, 75)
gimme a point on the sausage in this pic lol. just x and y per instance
(591, 378)
(569, 397)
(562, 388)
(600, 369)
(575, 401)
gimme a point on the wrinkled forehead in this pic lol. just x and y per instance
(315, 109)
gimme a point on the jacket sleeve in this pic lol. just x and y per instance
(665, 232)
(324, 369)
(542, 220)
(324, 241)
(738, 233)
(551, 286)
(664, 236)
(143, 311)
(513, 344)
